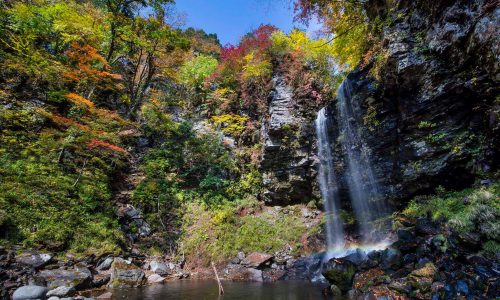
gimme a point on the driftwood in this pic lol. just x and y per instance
(221, 290)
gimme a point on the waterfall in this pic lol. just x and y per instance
(328, 185)
(360, 179)
(362, 184)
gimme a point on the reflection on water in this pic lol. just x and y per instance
(208, 290)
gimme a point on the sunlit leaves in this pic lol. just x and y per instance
(195, 71)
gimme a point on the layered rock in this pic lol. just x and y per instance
(288, 157)
(429, 101)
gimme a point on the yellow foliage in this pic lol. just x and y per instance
(256, 68)
(314, 51)
(231, 124)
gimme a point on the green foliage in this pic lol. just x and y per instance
(218, 234)
(471, 210)
(53, 201)
(194, 72)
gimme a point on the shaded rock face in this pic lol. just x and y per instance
(431, 118)
(288, 157)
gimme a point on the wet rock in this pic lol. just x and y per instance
(124, 274)
(78, 278)
(256, 260)
(462, 288)
(358, 257)
(241, 273)
(405, 234)
(421, 279)
(334, 291)
(304, 268)
(35, 260)
(339, 273)
(400, 286)
(100, 280)
(30, 292)
(62, 291)
(272, 275)
(409, 258)
(390, 259)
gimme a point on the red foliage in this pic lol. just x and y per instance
(258, 40)
(107, 146)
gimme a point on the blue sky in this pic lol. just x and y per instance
(231, 19)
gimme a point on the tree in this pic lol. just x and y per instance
(147, 41)
(121, 10)
(347, 22)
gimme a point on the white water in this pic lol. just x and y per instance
(361, 181)
(328, 186)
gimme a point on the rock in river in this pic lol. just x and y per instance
(124, 274)
(78, 278)
(30, 292)
(256, 259)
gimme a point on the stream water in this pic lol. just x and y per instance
(208, 290)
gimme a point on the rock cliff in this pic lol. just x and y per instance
(428, 101)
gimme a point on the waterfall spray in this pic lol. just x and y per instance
(362, 184)
(328, 186)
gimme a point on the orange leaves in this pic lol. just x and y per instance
(79, 100)
(89, 65)
(93, 144)
(65, 122)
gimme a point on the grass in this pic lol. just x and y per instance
(474, 210)
(219, 234)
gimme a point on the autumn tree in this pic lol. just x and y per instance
(148, 40)
(347, 22)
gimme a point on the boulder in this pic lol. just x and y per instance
(240, 273)
(155, 278)
(105, 296)
(124, 274)
(358, 257)
(159, 268)
(390, 259)
(339, 273)
(78, 278)
(421, 279)
(35, 260)
(62, 291)
(30, 292)
(105, 264)
(256, 260)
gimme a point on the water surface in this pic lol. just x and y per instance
(208, 290)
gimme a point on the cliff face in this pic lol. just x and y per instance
(431, 116)
(428, 103)
(288, 137)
